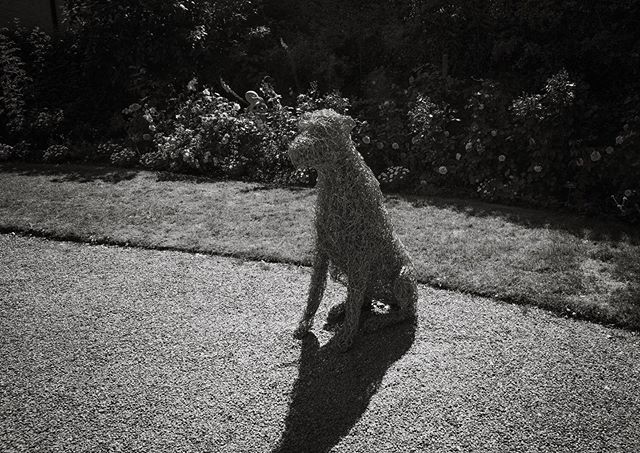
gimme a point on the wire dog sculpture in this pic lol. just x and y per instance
(355, 241)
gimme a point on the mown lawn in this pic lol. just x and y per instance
(570, 264)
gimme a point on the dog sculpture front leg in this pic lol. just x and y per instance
(316, 291)
(343, 340)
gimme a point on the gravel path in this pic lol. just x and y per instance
(114, 349)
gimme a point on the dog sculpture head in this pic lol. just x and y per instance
(323, 141)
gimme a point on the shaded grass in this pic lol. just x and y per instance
(572, 265)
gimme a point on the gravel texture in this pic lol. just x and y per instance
(119, 349)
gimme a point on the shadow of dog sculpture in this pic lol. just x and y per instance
(354, 235)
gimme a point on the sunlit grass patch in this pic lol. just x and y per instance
(570, 264)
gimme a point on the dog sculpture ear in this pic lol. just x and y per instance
(348, 124)
(304, 121)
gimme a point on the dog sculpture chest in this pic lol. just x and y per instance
(354, 235)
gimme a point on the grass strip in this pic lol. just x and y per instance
(569, 264)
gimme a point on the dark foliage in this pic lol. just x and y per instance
(519, 100)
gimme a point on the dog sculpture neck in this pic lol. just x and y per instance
(344, 164)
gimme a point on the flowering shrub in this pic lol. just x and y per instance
(394, 178)
(541, 129)
(23, 150)
(277, 126)
(312, 100)
(189, 136)
(6, 152)
(433, 144)
(628, 204)
(140, 127)
(500, 148)
(15, 83)
(126, 157)
(26, 109)
(104, 151)
(155, 160)
(382, 136)
(623, 168)
(302, 177)
(46, 125)
(207, 133)
(57, 154)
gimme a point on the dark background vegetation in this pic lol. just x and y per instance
(518, 101)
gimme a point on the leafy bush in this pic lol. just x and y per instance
(210, 135)
(500, 148)
(394, 178)
(204, 132)
(15, 84)
(104, 151)
(27, 108)
(421, 96)
(433, 142)
(126, 157)
(6, 152)
(140, 127)
(302, 177)
(57, 154)
(137, 49)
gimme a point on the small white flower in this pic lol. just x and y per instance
(609, 149)
(628, 193)
(468, 146)
(380, 145)
(596, 156)
(366, 140)
(458, 156)
(394, 145)
(443, 170)
(537, 168)
(502, 157)
(494, 133)
(619, 140)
